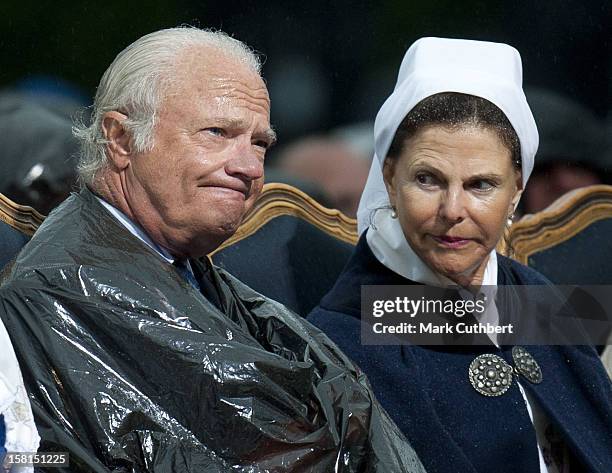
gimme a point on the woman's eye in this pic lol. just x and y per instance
(482, 185)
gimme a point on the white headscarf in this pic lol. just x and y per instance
(492, 71)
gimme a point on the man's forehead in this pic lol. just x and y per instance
(216, 64)
(206, 76)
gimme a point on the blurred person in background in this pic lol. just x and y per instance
(38, 154)
(337, 163)
(53, 93)
(572, 149)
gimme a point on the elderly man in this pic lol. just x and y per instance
(138, 354)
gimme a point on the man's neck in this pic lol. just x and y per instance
(136, 230)
(110, 193)
(180, 243)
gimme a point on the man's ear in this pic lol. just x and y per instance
(119, 144)
(388, 174)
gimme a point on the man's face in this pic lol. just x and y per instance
(205, 171)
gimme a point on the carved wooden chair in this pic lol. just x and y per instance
(289, 247)
(570, 242)
(17, 224)
(292, 249)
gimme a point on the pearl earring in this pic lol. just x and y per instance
(511, 219)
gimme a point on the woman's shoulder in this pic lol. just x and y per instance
(343, 328)
(335, 322)
(512, 272)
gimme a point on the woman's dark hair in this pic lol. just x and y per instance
(453, 110)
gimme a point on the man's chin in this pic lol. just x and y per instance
(205, 245)
(202, 238)
(222, 232)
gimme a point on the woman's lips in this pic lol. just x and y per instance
(451, 242)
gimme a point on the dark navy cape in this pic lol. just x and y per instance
(452, 427)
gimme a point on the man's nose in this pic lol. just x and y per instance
(246, 164)
(453, 205)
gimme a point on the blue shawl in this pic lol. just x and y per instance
(452, 427)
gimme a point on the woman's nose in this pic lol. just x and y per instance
(453, 205)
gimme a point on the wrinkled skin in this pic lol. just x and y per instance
(205, 170)
(454, 190)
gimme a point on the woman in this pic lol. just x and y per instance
(454, 146)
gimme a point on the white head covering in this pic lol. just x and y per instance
(492, 71)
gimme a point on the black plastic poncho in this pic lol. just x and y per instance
(131, 369)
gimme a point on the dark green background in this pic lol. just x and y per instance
(356, 46)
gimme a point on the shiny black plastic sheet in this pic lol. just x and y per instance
(131, 369)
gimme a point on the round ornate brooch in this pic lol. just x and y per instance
(490, 375)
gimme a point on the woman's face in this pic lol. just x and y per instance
(453, 190)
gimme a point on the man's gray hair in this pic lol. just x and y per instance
(135, 82)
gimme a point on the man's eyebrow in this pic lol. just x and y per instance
(229, 122)
(269, 134)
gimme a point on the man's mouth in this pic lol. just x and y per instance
(244, 192)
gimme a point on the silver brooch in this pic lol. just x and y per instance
(490, 375)
(527, 365)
